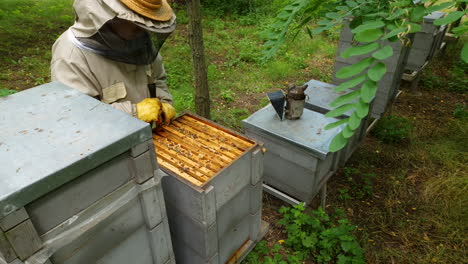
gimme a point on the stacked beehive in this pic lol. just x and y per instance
(426, 42)
(213, 190)
(297, 162)
(78, 182)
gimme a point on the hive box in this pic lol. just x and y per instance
(78, 182)
(389, 84)
(426, 42)
(297, 161)
(319, 96)
(213, 190)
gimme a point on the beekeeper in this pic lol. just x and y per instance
(109, 54)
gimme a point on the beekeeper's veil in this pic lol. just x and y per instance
(92, 30)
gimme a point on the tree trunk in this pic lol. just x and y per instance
(202, 93)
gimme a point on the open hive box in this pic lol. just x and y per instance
(213, 189)
(197, 150)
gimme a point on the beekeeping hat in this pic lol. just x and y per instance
(91, 15)
(158, 10)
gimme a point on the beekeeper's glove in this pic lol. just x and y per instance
(149, 110)
(168, 113)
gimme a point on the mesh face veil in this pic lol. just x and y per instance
(142, 49)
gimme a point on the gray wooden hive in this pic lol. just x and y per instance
(426, 42)
(78, 182)
(389, 84)
(319, 97)
(213, 190)
(297, 161)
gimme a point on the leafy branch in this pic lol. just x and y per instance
(374, 25)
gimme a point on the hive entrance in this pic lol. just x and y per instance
(196, 149)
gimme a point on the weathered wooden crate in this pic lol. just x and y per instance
(426, 42)
(213, 192)
(78, 183)
(319, 97)
(297, 160)
(388, 86)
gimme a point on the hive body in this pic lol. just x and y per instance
(213, 190)
(79, 182)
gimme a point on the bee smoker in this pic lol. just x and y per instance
(294, 99)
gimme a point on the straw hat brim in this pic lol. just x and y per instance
(164, 13)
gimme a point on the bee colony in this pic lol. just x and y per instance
(319, 97)
(297, 162)
(78, 182)
(213, 190)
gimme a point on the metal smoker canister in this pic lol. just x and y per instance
(295, 102)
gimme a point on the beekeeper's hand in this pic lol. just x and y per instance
(149, 110)
(168, 113)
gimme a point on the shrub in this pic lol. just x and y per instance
(393, 130)
(460, 112)
(6, 92)
(326, 238)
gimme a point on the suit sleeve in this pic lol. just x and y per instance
(160, 79)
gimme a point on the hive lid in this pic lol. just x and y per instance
(319, 95)
(52, 134)
(307, 133)
(433, 16)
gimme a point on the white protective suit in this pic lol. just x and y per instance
(119, 84)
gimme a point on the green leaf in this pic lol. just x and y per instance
(414, 28)
(332, 15)
(460, 29)
(377, 71)
(367, 26)
(318, 30)
(401, 3)
(378, 14)
(352, 70)
(394, 32)
(354, 121)
(340, 110)
(438, 7)
(418, 13)
(342, 8)
(351, 83)
(369, 35)
(398, 13)
(368, 91)
(362, 109)
(324, 22)
(336, 124)
(452, 17)
(347, 245)
(359, 50)
(345, 98)
(351, 4)
(464, 52)
(383, 53)
(337, 143)
(347, 132)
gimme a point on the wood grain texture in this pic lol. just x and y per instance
(24, 239)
